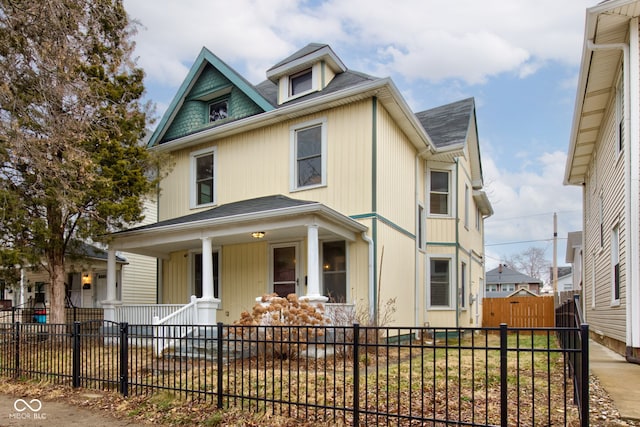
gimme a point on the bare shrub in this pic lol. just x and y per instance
(285, 326)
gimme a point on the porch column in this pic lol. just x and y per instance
(208, 304)
(109, 305)
(313, 266)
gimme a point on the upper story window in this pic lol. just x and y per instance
(203, 173)
(308, 155)
(439, 193)
(300, 82)
(218, 110)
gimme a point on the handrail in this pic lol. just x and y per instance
(174, 326)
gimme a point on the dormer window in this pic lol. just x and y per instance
(300, 82)
(218, 110)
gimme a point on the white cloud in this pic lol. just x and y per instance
(440, 39)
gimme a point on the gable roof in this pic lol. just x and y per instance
(507, 275)
(303, 58)
(448, 125)
(205, 57)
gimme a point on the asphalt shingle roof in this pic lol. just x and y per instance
(448, 125)
(508, 276)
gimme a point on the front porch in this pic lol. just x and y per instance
(215, 263)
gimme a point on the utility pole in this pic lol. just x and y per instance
(555, 254)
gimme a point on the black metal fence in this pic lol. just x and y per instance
(41, 315)
(350, 374)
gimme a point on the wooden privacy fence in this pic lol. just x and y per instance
(519, 312)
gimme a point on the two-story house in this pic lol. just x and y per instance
(603, 159)
(319, 181)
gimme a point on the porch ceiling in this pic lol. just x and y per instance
(279, 217)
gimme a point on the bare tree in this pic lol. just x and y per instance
(71, 165)
(530, 261)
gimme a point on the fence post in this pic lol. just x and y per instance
(219, 362)
(17, 324)
(503, 375)
(124, 359)
(76, 355)
(356, 374)
(584, 392)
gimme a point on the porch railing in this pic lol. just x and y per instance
(143, 314)
(173, 326)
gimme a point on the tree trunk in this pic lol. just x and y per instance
(56, 302)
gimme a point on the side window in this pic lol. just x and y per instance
(308, 164)
(615, 263)
(620, 115)
(203, 178)
(439, 193)
(334, 270)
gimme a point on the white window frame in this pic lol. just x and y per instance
(463, 285)
(290, 93)
(508, 287)
(293, 160)
(615, 260)
(452, 282)
(450, 195)
(191, 273)
(193, 190)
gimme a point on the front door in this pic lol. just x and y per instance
(284, 276)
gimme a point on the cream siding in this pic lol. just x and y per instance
(175, 272)
(257, 163)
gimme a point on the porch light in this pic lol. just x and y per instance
(258, 234)
(86, 281)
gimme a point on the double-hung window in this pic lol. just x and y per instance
(440, 282)
(203, 178)
(309, 158)
(439, 193)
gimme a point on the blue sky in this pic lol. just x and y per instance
(519, 59)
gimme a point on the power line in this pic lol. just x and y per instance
(493, 218)
(523, 241)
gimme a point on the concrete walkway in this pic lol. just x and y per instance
(619, 378)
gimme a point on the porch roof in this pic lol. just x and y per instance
(278, 216)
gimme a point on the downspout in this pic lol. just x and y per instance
(457, 246)
(631, 178)
(372, 287)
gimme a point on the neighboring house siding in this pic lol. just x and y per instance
(139, 274)
(606, 183)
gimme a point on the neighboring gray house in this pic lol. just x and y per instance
(502, 281)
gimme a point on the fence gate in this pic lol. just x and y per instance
(519, 312)
(98, 355)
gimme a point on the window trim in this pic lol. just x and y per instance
(293, 150)
(421, 226)
(450, 196)
(620, 115)
(291, 77)
(452, 281)
(192, 270)
(193, 196)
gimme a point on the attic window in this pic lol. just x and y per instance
(300, 82)
(218, 110)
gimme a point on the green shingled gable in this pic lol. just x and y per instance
(194, 113)
(209, 80)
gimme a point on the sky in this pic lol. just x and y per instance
(519, 59)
